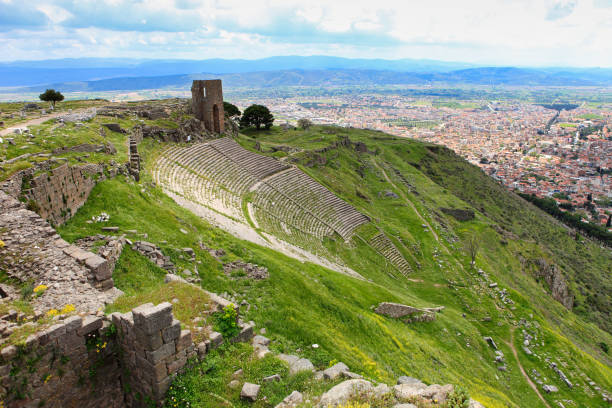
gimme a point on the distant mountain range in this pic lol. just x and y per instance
(120, 74)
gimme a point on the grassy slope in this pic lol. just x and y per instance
(301, 304)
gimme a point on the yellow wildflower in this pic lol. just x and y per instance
(40, 289)
(53, 312)
(68, 308)
(2, 244)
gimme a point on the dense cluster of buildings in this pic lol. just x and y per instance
(564, 155)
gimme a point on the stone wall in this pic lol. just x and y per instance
(70, 364)
(123, 360)
(154, 350)
(58, 193)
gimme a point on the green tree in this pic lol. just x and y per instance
(304, 123)
(230, 109)
(51, 95)
(258, 116)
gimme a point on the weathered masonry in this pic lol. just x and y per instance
(207, 100)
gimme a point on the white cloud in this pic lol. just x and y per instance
(523, 32)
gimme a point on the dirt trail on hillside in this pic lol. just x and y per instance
(37, 121)
(531, 384)
(401, 193)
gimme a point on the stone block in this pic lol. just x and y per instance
(250, 392)
(216, 339)
(99, 266)
(155, 372)
(173, 332)
(150, 342)
(161, 353)
(153, 318)
(160, 388)
(8, 353)
(176, 365)
(335, 371)
(72, 323)
(245, 335)
(261, 340)
(203, 348)
(92, 323)
(184, 340)
(395, 310)
(55, 331)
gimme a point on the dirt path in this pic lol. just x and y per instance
(531, 384)
(401, 193)
(37, 121)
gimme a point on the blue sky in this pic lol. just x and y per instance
(495, 32)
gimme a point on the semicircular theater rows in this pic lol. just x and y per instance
(282, 199)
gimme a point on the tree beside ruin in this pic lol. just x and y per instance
(230, 109)
(257, 116)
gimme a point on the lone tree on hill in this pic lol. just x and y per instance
(471, 247)
(51, 95)
(231, 110)
(258, 116)
(304, 123)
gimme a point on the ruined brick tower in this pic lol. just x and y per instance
(207, 100)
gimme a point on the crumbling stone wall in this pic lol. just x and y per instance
(58, 193)
(123, 360)
(70, 364)
(207, 104)
(34, 251)
(155, 350)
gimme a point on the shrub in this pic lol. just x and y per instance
(226, 321)
(459, 398)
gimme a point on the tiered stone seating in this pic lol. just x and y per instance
(286, 201)
(386, 248)
(313, 208)
(201, 174)
(255, 164)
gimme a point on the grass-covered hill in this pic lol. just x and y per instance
(438, 203)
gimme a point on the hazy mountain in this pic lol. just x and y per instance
(28, 73)
(342, 77)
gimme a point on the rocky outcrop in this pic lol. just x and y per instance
(407, 313)
(552, 275)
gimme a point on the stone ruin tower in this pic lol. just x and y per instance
(207, 100)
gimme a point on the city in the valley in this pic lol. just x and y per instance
(561, 150)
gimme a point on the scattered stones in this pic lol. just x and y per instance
(154, 253)
(408, 380)
(252, 271)
(250, 392)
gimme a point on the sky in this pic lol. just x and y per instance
(486, 32)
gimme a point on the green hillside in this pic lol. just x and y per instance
(429, 203)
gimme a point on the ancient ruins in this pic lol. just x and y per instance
(207, 104)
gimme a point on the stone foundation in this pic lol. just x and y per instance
(123, 360)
